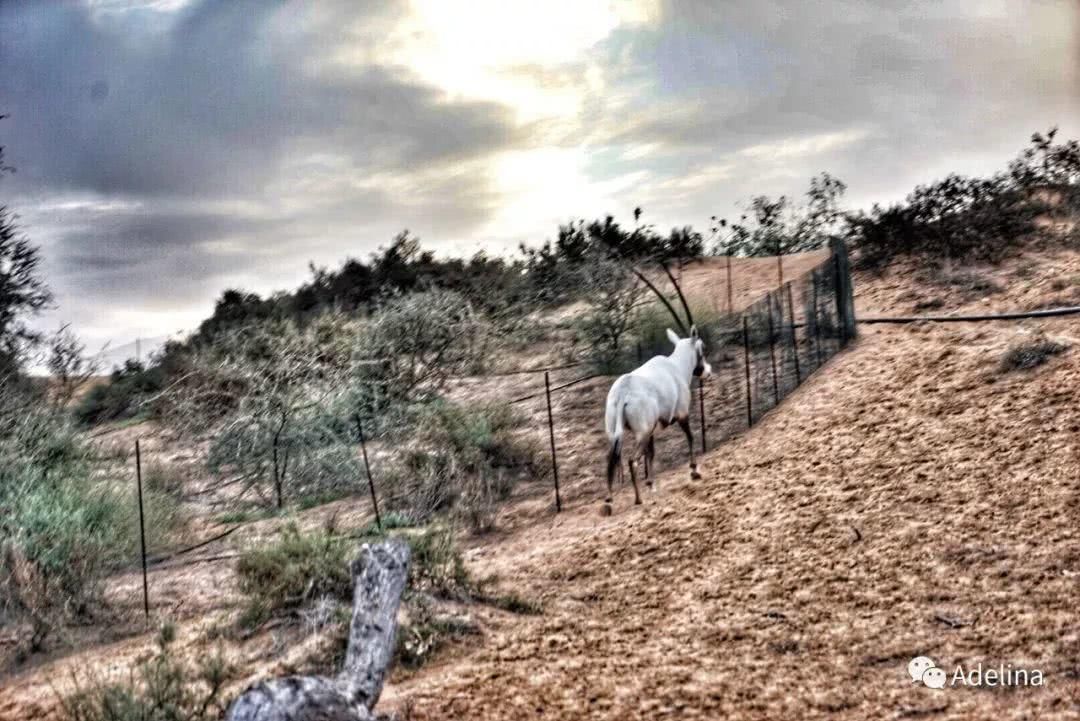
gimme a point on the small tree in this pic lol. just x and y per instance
(22, 291)
(265, 389)
(415, 343)
(776, 227)
(68, 365)
(613, 294)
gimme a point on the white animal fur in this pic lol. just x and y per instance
(656, 394)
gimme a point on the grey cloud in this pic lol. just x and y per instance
(926, 88)
(224, 103)
(241, 147)
(209, 102)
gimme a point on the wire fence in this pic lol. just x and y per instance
(759, 356)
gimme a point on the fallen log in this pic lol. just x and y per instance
(379, 575)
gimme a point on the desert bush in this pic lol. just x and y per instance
(424, 632)
(465, 459)
(266, 391)
(438, 571)
(776, 226)
(307, 574)
(971, 218)
(283, 398)
(613, 294)
(62, 527)
(122, 396)
(437, 567)
(414, 344)
(161, 688)
(651, 323)
(293, 570)
(1030, 353)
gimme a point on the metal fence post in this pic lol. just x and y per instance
(772, 351)
(746, 358)
(367, 468)
(551, 435)
(794, 340)
(730, 291)
(845, 296)
(815, 278)
(142, 530)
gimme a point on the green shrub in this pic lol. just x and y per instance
(165, 479)
(650, 332)
(971, 218)
(160, 688)
(291, 571)
(63, 527)
(461, 458)
(122, 396)
(437, 566)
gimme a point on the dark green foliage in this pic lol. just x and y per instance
(61, 529)
(23, 292)
(972, 218)
(160, 688)
(464, 459)
(293, 570)
(402, 267)
(123, 395)
(554, 268)
(771, 226)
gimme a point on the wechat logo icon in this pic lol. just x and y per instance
(923, 669)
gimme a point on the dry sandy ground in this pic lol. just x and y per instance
(908, 499)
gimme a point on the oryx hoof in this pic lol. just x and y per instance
(606, 509)
(694, 475)
(637, 501)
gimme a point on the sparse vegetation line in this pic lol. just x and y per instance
(1049, 313)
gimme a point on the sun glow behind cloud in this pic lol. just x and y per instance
(532, 57)
(543, 62)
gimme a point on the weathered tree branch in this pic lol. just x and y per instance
(379, 576)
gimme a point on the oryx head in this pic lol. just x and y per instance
(696, 345)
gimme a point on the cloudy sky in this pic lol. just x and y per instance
(169, 149)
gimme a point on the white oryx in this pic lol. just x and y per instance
(655, 395)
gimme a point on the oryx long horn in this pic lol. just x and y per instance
(663, 299)
(682, 298)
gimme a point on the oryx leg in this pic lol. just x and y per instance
(633, 479)
(684, 423)
(650, 454)
(614, 460)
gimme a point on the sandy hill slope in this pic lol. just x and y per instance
(911, 498)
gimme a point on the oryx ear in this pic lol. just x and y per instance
(693, 332)
(672, 336)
